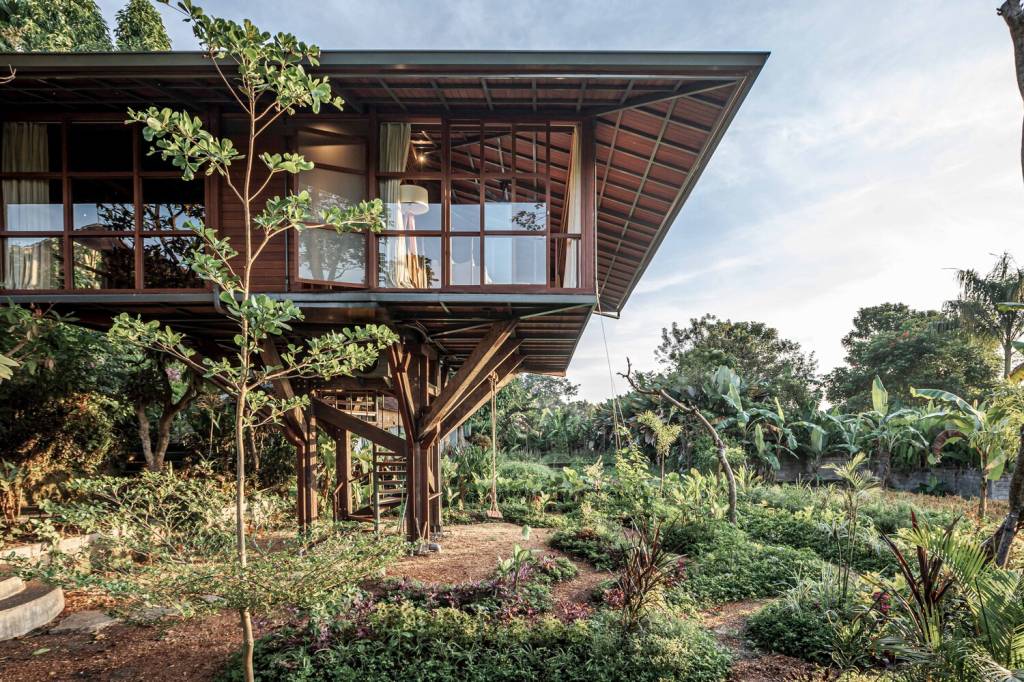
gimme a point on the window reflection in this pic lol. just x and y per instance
(169, 205)
(104, 263)
(465, 261)
(329, 256)
(36, 205)
(33, 263)
(409, 262)
(165, 263)
(103, 205)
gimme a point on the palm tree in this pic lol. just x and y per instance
(886, 431)
(981, 308)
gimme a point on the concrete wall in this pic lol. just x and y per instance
(962, 482)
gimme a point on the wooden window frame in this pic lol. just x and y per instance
(69, 235)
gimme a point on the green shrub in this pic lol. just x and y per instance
(599, 546)
(525, 480)
(747, 570)
(527, 514)
(392, 642)
(803, 529)
(794, 628)
(554, 569)
(695, 538)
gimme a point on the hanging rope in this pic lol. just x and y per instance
(494, 512)
(617, 418)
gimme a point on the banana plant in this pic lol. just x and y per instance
(886, 431)
(988, 431)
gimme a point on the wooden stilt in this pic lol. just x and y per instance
(342, 476)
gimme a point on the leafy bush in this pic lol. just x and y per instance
(746, 570)
(528, 514)
(555, 569)
(492, 596)
(806, 529)
(695, 538)
(597, 545)
(390, 642)
(797, 629)
(525, 480)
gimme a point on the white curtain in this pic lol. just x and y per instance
(26, 207)
(573, 215)
(393, 153)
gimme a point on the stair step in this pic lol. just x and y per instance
(32, 607)
(10, 585)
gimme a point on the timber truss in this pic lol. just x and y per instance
(403, 409)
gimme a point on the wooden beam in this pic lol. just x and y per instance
(282, 387)
(343, 420)
(479, 397)
(468, 373)
(507, 350)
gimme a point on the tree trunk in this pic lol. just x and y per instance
(1013, 14)
(884, 465)
(248, 641)
(1000, 542)
(144, 438)
(983, 496)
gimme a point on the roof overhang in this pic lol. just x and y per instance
(657, 116)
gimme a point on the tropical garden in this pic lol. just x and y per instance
(732, 514)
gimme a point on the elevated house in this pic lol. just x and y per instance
(526, 191)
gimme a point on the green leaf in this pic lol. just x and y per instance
(879, 397)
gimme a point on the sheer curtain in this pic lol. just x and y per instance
(573, 215)
(26, 207)
(393, 153)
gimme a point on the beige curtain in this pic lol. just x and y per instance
(573, 215)
(25, 205)
(393, 153)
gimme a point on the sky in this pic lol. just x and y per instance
(878, 151)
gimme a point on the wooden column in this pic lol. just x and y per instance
(435, 493)
(307, 479)
(343, 476)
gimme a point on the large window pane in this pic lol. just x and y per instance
(565, 263)
(465, 207)
(165, 263)
(465, 261)
(424, 149)
(100, 147)
(464, 148)
(103, 205)
(327, 256)
(409, 262)
(330, 189)
(30, 147)
(499, 150)
(104, 263)
(344, 148)
(413, 205)
(514, 260)
(33, 205)
(33, 263)
(514, 205)
(169, 204)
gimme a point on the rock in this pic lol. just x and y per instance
(84, 621)
(153, 613)
(434, 547)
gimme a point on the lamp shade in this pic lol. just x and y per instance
(414, 199)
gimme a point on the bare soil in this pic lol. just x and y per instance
(728, 623)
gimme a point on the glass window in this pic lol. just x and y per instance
(329, 256)
(344, 148)
(33, 263)
(416, 205)
(465, 261)
(100, 147)
(168, 204)
(514, 205)
(565, 263)
(424, 149)
(515, 260)
(36, 205)
(105, 204)
(104, 263)
(464, 147)
(30, 147)
(465, 207)
(165, 263)
(409, 262)
(330, 189)
(499, 150)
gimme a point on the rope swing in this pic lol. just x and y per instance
(494, 512)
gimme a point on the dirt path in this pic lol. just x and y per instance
(470, 552)
(728, 623)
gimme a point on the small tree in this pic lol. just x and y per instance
(665, 435)
(267, 79)
(885, 430)
(140, 29)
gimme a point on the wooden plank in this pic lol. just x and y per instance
(507, 350)
(468, 373)
(342, 420)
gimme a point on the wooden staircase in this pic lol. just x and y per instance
(388, 477)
